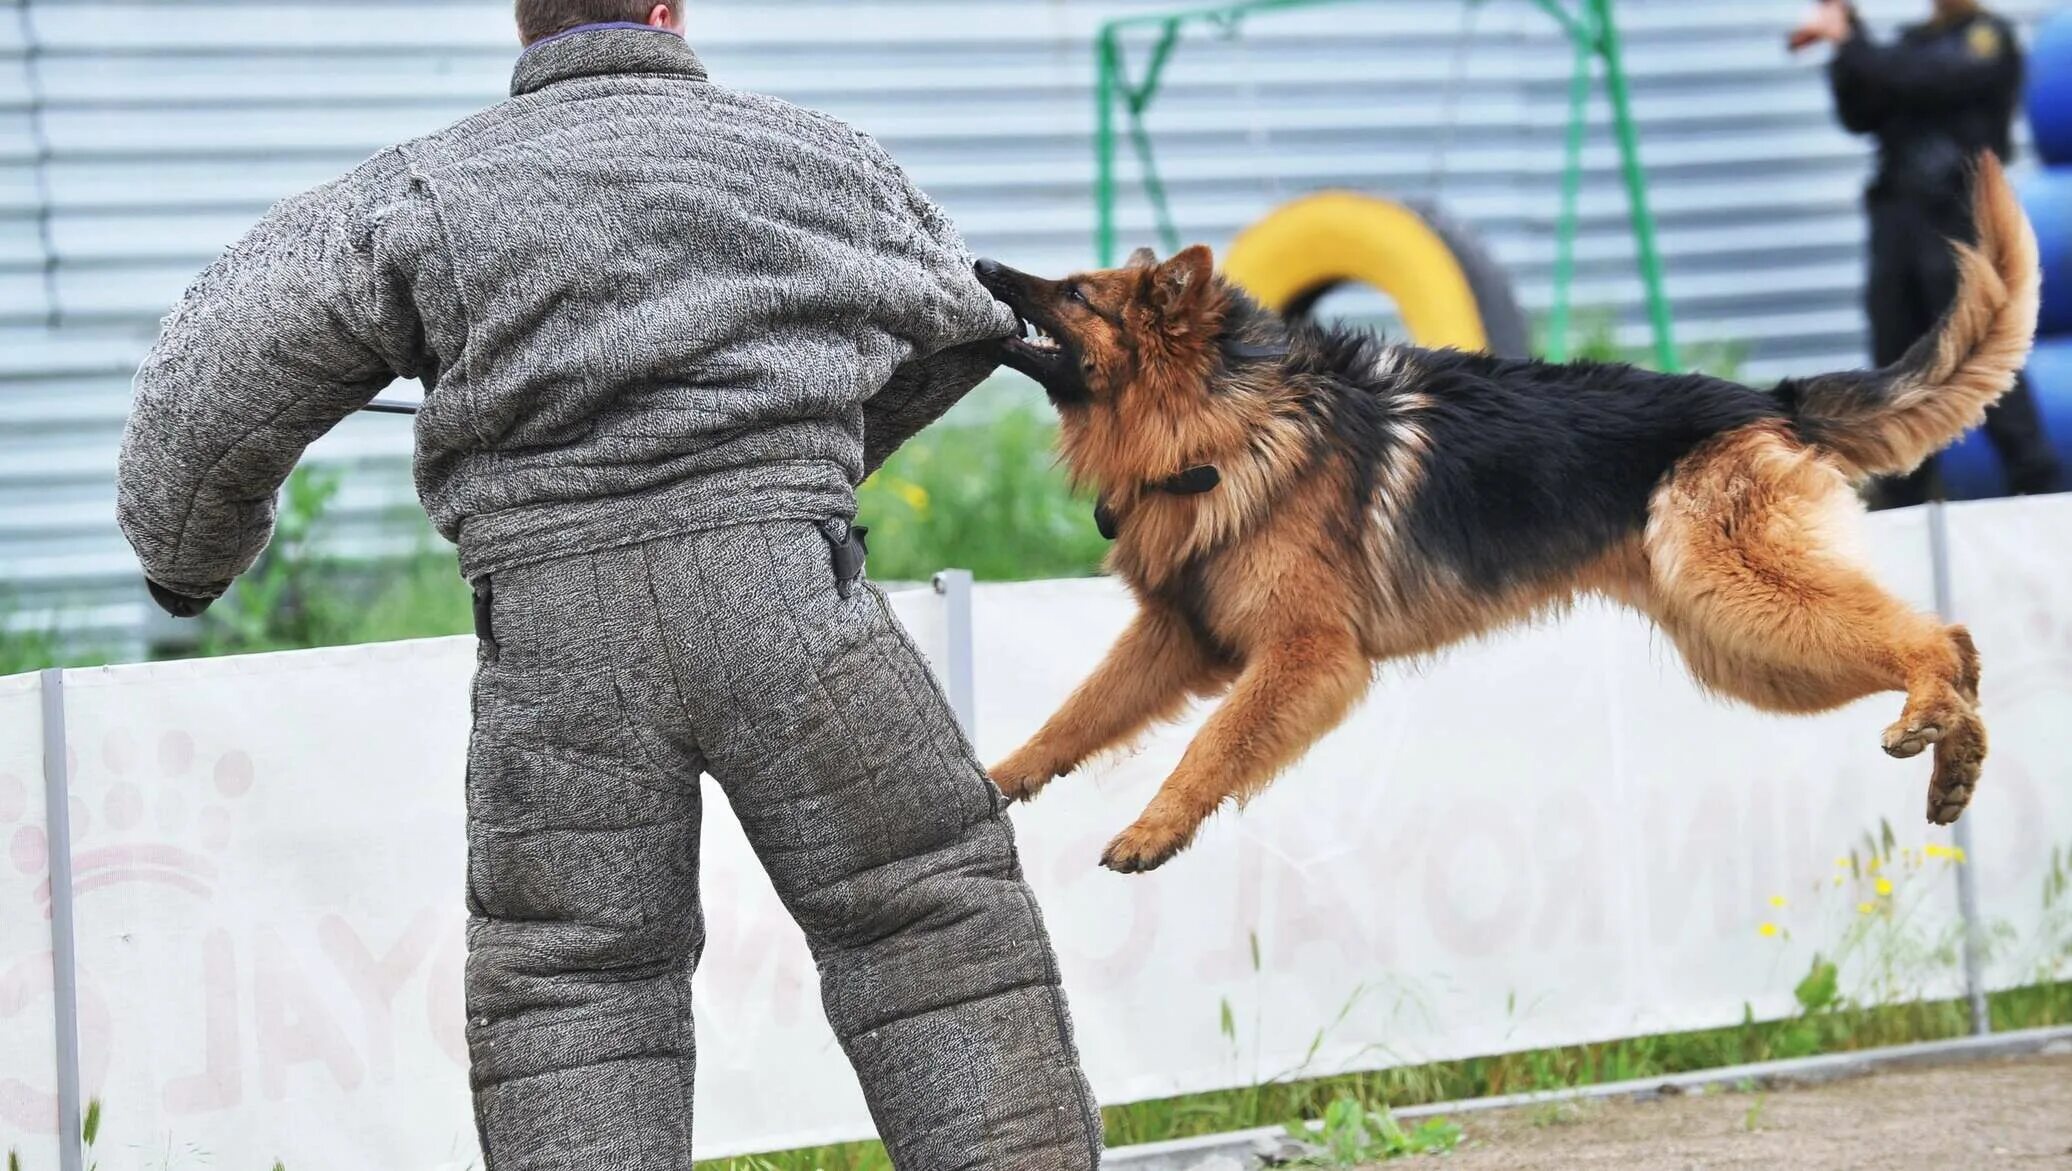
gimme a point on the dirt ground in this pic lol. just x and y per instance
(2015, 1113)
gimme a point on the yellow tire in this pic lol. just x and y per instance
(1448, 291)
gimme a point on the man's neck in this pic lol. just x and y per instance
(580, 29)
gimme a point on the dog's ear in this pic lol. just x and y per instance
(1142, 258)
(1179, 284)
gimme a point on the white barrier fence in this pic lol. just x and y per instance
(1547, 838)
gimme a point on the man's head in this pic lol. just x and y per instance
(539, 19)
(1954, 9)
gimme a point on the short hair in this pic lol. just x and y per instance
(538, 19)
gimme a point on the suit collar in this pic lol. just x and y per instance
(601, 50)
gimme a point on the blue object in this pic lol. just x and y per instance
(2047, 197)
(2049, 96)
(1971, 470)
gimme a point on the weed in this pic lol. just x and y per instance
(2049, 958)
(298, 595)
(31, 644)
(1752, 1121)
(989, 499)
(25, 648)
(1887, 952)
(90, 1132)
(1352, 1135)
(1564, 1113)
(1594, 338)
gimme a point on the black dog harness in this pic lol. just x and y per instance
(1195, 481)
(1203, 478)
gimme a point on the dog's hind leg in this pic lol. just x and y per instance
(1295, 688)
(1147, 676)
(1751, 575)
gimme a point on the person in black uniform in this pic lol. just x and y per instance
(1943, 92)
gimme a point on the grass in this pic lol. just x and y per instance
(1360, 1102)
(32, 649)
(1594, 339)
(1863, 992)
(989, 499)
(1277, 1104)
(1351, 1135)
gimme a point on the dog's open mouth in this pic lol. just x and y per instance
(1036, 340)
(1045, 357)
(1037, 349)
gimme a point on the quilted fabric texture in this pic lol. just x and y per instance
(614, 679)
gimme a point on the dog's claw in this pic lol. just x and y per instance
(1019, 782)
(1139, 850)
(1017, 790)
(1946, 808)
(1904, 740)
(1960, 757)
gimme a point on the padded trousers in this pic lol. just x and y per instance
(608, 682)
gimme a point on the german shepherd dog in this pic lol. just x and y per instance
(1292, 504)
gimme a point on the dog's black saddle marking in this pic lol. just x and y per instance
(1237, 349)
(1195, 481)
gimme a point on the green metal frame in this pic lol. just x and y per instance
(1590, 28)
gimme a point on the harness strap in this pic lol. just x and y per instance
(1195, 481)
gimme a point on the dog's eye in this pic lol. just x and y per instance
(1075, 293)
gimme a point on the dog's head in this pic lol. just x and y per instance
(1097, 336)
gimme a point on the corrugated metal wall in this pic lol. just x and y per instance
(136, 140)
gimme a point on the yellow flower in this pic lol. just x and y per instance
(914, 494)
(1885, 887)
(1841, 863)
(1935, 851)
(1957, 855)
(1777, 900)
(1767, 931)
(1864, 908)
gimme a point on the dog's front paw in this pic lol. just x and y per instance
(1021, 776)
(1150, 843)
(1960, 756)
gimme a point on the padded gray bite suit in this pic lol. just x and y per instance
(665, 329)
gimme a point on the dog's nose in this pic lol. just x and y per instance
(989, 270)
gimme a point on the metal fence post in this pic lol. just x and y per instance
(959, 674)
(57, 799)
(1960, 834)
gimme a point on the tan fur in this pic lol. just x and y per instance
(1751, 579)
(1943, 386)
(1256, 593)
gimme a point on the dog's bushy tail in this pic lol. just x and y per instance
(1887, 422)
